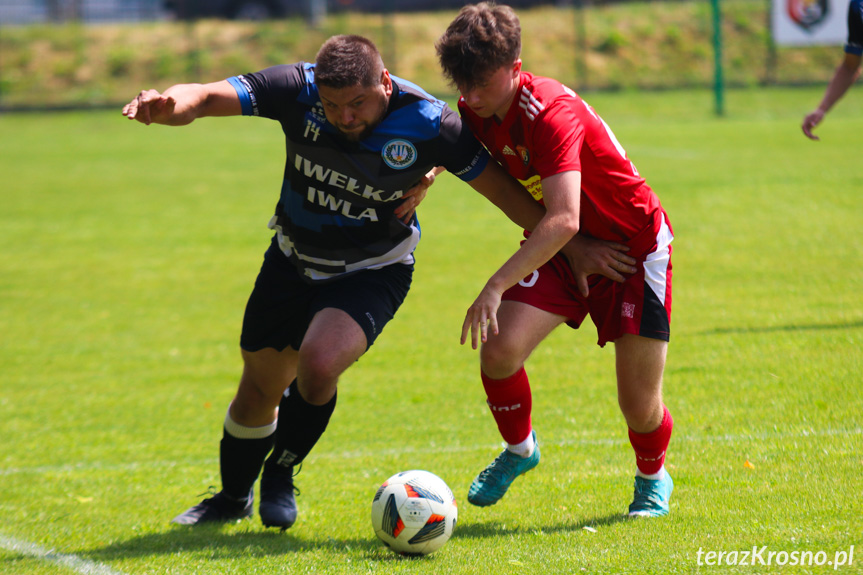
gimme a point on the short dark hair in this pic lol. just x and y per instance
(348, 60)
(481, 39)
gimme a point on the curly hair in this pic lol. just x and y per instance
(348, 60)
(481, 39)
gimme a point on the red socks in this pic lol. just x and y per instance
(650, 447)
(510, 402)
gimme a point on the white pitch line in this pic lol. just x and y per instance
(798, 434)
(72, 562)
(96, 466)
(437, 448)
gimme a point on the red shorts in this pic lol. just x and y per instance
(641, 305)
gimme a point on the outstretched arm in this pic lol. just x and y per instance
(181, 104)
(558, 225)
(846, 74)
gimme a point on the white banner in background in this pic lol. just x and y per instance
(810, 22)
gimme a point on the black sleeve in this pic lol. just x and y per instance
(855, 28)
(462, 154)
(269, 92)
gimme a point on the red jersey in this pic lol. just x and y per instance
(549, 129)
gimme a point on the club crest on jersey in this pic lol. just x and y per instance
(525, 155)
(399, 154)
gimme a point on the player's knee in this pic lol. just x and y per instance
(318, 372)
(317, 388)
(643, 416)
(316, 365)
(499, 360)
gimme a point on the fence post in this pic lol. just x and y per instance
(718, 80)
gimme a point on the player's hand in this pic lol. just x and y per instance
(809, 123)
(481, 317)
(150, 107)
(414, 197)
(588, 256)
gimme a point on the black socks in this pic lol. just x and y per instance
(300, 426)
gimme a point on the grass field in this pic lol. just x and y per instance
(127, 254)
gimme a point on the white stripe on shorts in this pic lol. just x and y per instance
(656, 263)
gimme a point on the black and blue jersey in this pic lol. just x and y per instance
(855, 28)
(336, 210)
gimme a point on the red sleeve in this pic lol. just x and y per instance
(558, 135)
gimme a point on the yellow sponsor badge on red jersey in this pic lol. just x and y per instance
(534, 186)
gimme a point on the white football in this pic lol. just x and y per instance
(414, 512)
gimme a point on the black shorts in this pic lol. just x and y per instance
(282, 304)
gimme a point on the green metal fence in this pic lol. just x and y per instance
(609, 46)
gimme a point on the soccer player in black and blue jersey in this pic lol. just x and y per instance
(846, 73)
(362, 148)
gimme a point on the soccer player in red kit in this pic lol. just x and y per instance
(550, 139)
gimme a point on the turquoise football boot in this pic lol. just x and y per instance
(493, 481)
(650, 498)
